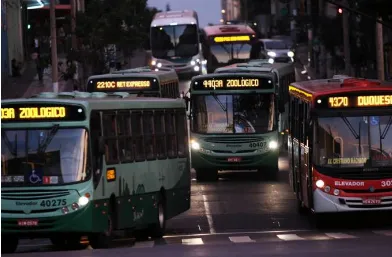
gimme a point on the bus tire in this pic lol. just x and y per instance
(269, 173)
(66, 242)
(159, 228)
(9, 244)
(104, 239)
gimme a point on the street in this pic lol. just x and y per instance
(240, 213)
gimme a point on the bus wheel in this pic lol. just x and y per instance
(206, 175)
(9, 244)
(104, 239)
(159, 228)
(269, 173)
(66, 242)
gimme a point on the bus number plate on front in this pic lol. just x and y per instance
(234, 159)
(371, 201)
(27, 223)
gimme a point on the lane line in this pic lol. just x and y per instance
(383, 232)
(289, 237)
(240, 233)
(241, 239)
(145, 244)
(208, 215)
(192, 241)
(340, 235)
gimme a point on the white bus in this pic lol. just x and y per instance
(175, 42)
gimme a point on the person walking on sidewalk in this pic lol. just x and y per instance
(39, 62)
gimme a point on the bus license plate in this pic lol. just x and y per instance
(27, 223)
(371, 201)
(234, 159)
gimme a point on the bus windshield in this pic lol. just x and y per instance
(174, 41)
(229, 53)
(233, 114)
(33, 157)
(360, 141)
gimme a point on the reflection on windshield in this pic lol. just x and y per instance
(363, 141)
(242, 113)
(174, 41)
(278, 45)
(225, 53)
(43, 156)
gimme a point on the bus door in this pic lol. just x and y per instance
(304, 153)
(296, 145)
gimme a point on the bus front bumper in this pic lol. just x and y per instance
(234, 162)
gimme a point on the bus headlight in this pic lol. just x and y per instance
(193, 63)
(159, 65)
(195, 145)
(83, 200)
(273, 145)
(272, 54)
(320, 183)
(153, 62)
(290, 54)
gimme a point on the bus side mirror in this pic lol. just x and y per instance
(281, 107)
(186, 99)
(101, 145)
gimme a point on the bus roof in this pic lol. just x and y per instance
(163, 75)
(260, 65)
(215, 30)
(338, 84)
(100, 101)
(175, 18)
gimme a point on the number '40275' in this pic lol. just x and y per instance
(53, 203)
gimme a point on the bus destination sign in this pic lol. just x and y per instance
(122, 84)
(235, 83)
(41, 112)
(359, 101)
(223, 39)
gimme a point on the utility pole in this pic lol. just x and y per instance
(380, 51)
(346, 41)
(54, 45)
(73, 24)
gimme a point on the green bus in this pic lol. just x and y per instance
(139, 81)
(85, 164)
(284, 74)
(233, 119)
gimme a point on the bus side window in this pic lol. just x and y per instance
(110, 137)
(301, 122)
(148, 131)
(160, 138)
(177, 89)
(295, 117)
(124, 136)
(182, 133)
(137, 136)
(171, 134)
(95, 134)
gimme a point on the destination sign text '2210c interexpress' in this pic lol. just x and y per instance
(25, 113)
(362, 101)
(123, 84)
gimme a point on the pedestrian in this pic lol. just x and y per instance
(39, 62)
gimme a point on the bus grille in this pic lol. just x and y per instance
(232, 140)
(32, 194)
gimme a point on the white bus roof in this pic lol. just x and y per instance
(175, 18)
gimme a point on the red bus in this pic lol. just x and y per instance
(340, 145)
(223, 45)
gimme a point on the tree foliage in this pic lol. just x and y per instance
(124, 23)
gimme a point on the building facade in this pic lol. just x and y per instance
(231, 10)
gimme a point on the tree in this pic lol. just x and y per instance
(168, 8)
(123, 23)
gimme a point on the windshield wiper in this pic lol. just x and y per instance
(224, 108)
(42, 147)
(353, 132)
(384, 133)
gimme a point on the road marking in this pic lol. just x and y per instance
(192, 241)
(383, 232)
(289, 237)
(340, 235)
(241, 239)
(145, 244)
(239, 233)
(208, 215)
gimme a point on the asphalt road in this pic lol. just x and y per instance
(240, 215)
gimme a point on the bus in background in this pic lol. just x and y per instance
(227, 44)
(340, 145)
(233, 119)
(284, 75)
(82, 164)
(140, 81)
(175, 43)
